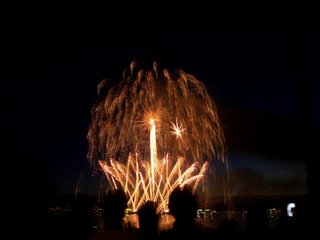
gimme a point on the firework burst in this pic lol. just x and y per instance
(150, 114)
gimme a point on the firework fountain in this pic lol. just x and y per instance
(152, 132)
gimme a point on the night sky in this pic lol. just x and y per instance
(259, 62)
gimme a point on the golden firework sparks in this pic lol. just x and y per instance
(150, 114)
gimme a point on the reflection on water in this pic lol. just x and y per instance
(165, 221)
(60, 218)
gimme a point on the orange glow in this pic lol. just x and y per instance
(153, 132)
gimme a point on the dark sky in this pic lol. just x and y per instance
(249, 56)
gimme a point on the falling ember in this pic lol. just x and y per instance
(151, 114)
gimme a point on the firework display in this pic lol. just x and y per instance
(152, 132)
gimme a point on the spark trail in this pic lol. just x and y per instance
(151, 114)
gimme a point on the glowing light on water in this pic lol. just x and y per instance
(153, 132)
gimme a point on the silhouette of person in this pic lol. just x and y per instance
(148, 221)
(114, 206)
(183, 206)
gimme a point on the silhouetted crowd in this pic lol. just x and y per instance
(183, 207)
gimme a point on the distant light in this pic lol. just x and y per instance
(289, 209)
(199, 213)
